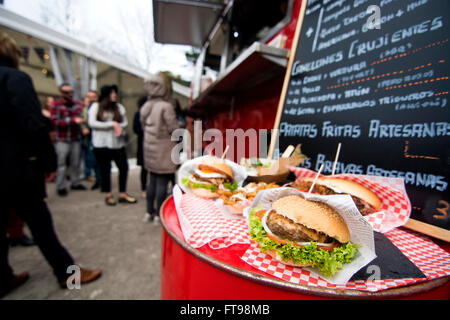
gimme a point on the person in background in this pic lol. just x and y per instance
(179, 113)
(27, 154)
(66, 119)
(159, 120)
(108, 121)
(49, 101)
(137, 128)
(90, 163)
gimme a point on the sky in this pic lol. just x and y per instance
(121, 27)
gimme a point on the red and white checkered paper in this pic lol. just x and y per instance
(210, 226)
(395, 204)
(433, 261)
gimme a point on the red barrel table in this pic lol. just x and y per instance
(208, 274)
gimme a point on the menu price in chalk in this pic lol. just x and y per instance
(382, 92)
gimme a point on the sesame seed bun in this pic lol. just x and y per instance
(313, 215)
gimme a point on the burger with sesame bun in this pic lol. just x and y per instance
(365, 200)
(209, 176)
(302, 233)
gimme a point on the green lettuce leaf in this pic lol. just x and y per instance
(327, 262)
(231, 186)
(185, 182)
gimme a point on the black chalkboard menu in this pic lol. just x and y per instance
(381, 90)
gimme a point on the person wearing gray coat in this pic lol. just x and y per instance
(158, 120)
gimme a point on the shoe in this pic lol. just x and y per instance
(127, 199)
(95, 186)
(78, 187)
(147, 217)
(86, 276)
(156, 221)
(23, 241)
(16, 282)
(110, 201)
(90, 179)
(62, 192)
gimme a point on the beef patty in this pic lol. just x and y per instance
(363, 206)
(287, 229)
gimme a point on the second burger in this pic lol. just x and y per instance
(210, 175)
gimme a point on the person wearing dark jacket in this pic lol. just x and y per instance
(137, 128)
(27, 155)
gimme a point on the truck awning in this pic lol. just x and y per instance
(186, 22)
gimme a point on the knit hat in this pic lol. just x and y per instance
(105, 91)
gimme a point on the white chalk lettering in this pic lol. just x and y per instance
(307, 90)
(348, 69)
(356, 92)
(325, 32)
(416, 29)
(340, 167)
(311, 79)
(406, 98)
(299, 68)
(337, 39)
(298, 130)
(330, 130)
(415, 5)
(414, 130)
(348, 106)
(359, 16)
(412, 178)
(337, 14)
(358, 49)
(321, 98)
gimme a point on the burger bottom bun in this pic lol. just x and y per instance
(275, 255)
(204, 193)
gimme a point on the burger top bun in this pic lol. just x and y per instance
(314, 215)
(352, 188)
(204, 193)
(216, 164)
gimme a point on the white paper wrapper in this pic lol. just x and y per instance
(188, 168)
(360, 230)
(186, 227)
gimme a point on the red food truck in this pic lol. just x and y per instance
(251, 53)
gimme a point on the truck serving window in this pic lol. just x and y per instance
(248, 21)
(256, 20)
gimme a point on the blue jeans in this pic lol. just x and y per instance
(90, 163)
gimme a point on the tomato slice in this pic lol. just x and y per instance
(276, 239)
(328, 248)
(271, 237)
(260, 214)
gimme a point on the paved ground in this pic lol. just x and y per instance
(114, 239)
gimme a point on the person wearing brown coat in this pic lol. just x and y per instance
(159, 120)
